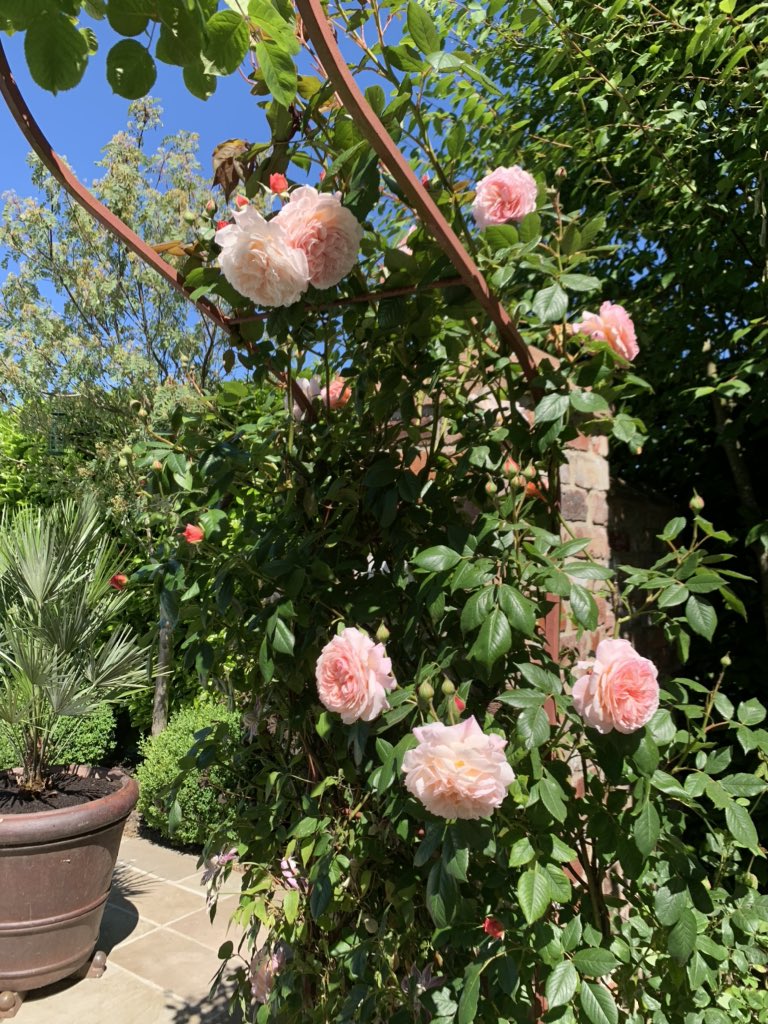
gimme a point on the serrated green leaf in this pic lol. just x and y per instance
(681, 941)
(131, 71)
(561, 984)
(291, 905)
(751, 712)
(595, 962)
(646, 829)
(470, 993)
(588, 401)
(520, 612)
(598, 1004)
(57, 54)
(701, 616)
(128, 17)
(421, 26)
(550, 304)
(533, 893)
(583, 606)
(494, 639)
(521, 853)
(476, 609)
(533, 727)
(741, 826)
(227, 41)
(279, 71)
(551, 407)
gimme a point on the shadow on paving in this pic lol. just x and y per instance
(207, 1011)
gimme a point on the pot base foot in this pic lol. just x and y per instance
(95, 967)
(10, 1003)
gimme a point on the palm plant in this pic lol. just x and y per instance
(62, 655)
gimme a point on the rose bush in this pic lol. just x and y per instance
(570, 851)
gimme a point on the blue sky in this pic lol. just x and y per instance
(80, 122)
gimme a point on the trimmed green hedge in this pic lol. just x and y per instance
(201, 796)
(86, 740)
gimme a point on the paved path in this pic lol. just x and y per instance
(162, 949)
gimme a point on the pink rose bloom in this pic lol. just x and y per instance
(457, 771)
(614, 325)
(619, 691)
(354, 676)
(493, 927)
(508, 193)
(259, 262)
(278, 183)
(337, 394)
(193, 534)
(327, 233)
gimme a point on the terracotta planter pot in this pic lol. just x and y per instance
(55, 875)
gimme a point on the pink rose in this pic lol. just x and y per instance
(614, 325)
(259, 262)
(193, 534)
(353, 677)
(327, 233)
(278, 183)
(457, 771)
(619, 690)
(337, 394)
(508, 193)
(493, 927)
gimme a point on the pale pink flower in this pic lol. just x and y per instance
(619, 690)
(337, 394)
(289, 869)
(326, 232)
(457, 771)
(259, 262)
(311, 388)
(354, 676)
(193, 534)
(508, 193)
(614, 325)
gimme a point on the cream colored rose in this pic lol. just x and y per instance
(259, 262)
(327, 233)
(457, 771)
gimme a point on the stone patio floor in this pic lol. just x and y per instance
(161, 949)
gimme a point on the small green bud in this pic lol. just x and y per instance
(382, 634)
(530, 472)
(122, 462)
(491, 488)
(426, 692)
(696, 504)
(143, 414)
(448, 688)
(725, 661)
(157, 465)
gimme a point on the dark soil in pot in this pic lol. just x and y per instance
(65, 789)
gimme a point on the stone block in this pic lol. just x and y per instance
(573, 504)
(597, 506)
(589, 470)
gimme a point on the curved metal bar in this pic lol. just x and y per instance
(53, 162)
(320, 33)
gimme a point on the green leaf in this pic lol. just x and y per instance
(421, 26)
(561, 984)
(128, 17)
(228, 40)
(533, 727)
(131, 70)
(198, 82)
(701, 616)
(529, 229)
(550, 303)
(583, 606)
(742, 784)
(519, 610)
(476, 609)
(437, 559)
(588, 401)
(533, 893)
(672, 529)
(598, 1005)
(551, 407)
(681, 941)
(579, 282)
(494, 639)
(669, 904)
(521, 853)
(741, 827)
(595, 962)
(291, 905)
(56, 53)
(470, 991)
(552, 796)
(283, 639)
(279, 71)
(647, 829)
(750, 712)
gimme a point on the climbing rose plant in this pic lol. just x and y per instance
(441, 816)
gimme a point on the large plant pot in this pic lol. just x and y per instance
(55, 875)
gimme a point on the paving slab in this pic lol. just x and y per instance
(161, 946)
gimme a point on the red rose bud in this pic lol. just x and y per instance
(221, 224)
(210, 206)
(278, 183)
(241, 201)
(118, 581)
(193, 534)
(322, 175)
(491, 488)
(460, 705)
(425, 179)
(493, 928)
(510, 466)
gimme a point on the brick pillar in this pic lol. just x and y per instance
(584, 482)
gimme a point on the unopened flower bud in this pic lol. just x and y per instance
(143, 414)
(725, 661)
(122, 462)
(530, 472)
(561, 174)
(696, 504)
(448, 688)
(210, 206)
(426, 692)
(491, 488)
(189, 216)
(382, 634)
(157, 465)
